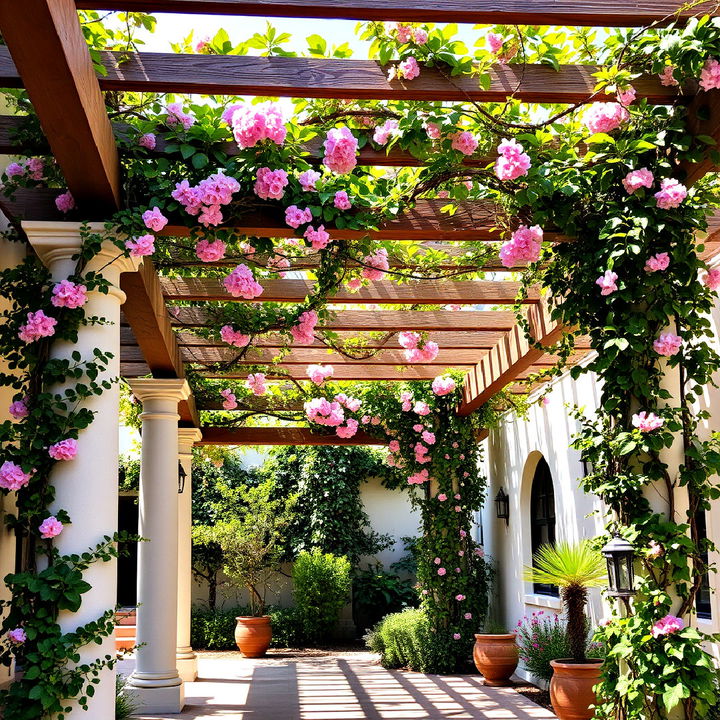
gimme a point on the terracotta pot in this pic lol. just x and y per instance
(253, 635)
(496, 657)
(571, 688)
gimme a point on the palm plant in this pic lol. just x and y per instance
(574, 568)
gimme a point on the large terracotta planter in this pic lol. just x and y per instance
(253, 635)
(571, 688)
(496, 657)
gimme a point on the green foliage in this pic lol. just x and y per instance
(125, 706)
(329, 512)
(376, 593)
(321, 589)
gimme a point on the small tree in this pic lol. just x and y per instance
(250, 541)
(574, 567)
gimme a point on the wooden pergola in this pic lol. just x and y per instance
(46, 54)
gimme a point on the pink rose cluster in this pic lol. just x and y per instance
(270, 184)
(340, 150)
(325, 412)
(65, 202)
(667, 344)
(17, 636)
(443, 385)
(604, 117)
(657, 262)
(207, 197)
(637, 179)
(12, 476)
(667, 626)
(351, 403)
(421, 454)
(319, 239)
(415, 349)
(341, 200)
(710, 75)
(607, 281)
(464, 141)
(408, 68)
(304, 332)
(154, 219)
(418, 478)
(406, 399)
(38, 325)
(421, 408)
(32, 169)
(513, 162)
(50, 527)
(19, 409)
(494, 42)
(626, 96)
(252, 124)
(524, 246)
(278, 262)
(647, 422)
(667, 77)
(295, 217)
(63, 450)
(234, 337)
(141, 246)
(210, 250)
(711, 279)
(319, 373)
(229, 399)
(384, 132)
(433, 130)
(241, 283)
(308, 180)
(177, 117)
(147, 141)
(405, 33)
(348, 430)
(671, 194)
(67, 294)
(256, 383)
(378, 262)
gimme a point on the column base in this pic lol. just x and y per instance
(162, 699)
(186, 664)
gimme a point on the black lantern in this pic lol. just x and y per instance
(502, 506)
(620, 555)
(181, 478)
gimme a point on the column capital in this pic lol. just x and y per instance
(187, 437)
(145, 389)
(56, 241)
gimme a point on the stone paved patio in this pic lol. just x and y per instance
(341, 686)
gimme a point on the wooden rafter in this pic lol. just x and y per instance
(280, 436)
(329, 78)
(419, 292)
(357, 373)
(48, 48)
(634, 13)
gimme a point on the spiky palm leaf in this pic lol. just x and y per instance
(566, 564)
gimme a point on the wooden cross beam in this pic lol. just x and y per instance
(280, 436)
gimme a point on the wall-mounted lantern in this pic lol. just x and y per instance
(181, 478)
(620, 555)
(502, 506)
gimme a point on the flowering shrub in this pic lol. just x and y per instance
(542, 637)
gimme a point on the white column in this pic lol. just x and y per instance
(155, 681)
(186, 658)
(87, 487)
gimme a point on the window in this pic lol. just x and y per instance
(542, 518)
(703, 601)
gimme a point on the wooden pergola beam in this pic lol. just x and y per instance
(357, 373)
(387, 320)
(425, 292)
(330, 78)
(49, 51)
(634, 13)
(280, 436)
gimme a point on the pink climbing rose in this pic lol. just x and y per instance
(671, 194)
(17, 636)
(67, 294)
(141, 246)
(433, 130)
(384, 132)
(465, 142)
(421, 408)
(348, 430)
(494, 42)
(319, 239)
(252, 124)
(38, 325)
(177, 117)
(231, 336)
(378, 263)
(19, 410)
(418, 478)
(710, 75)
(147, 141)
(637, 179)
(12, 476)
(308, 180)
(441, 571)
(607, 282)
(241, 283)
(63, 450)
(667, 344)
(324, 412)
(647, 422)
(394, 446)
(210, 250)
(341, 200)
(627, 95)
(604, 117)
(256, 383)
(524, 245)
(319, 373)
(340, 149)
(65, 202)
(270, 184)
(667, 77)
(428, 437)
(657, 262)
(50, 527)
(712, 279)
(442, 497)
(295, 217)
(667, 626)
(403, 32)
(154, 219)
(419, 36)
(443, 385)
(229, 401)
(513, 161)
(408, 68)
(304, 332)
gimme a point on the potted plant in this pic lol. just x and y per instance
(252, 552)
(574, 568)
(496, 655)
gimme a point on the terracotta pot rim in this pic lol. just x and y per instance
(588, 663)
(495, 636)
(248, 619)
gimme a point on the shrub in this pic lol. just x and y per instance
(404, 640)
(125, 706)
(287, 627)
(377, 593)
(322, 586)
(542, 638)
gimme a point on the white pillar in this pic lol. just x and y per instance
(155, 681)
(87, 487)
(186, 658)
